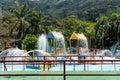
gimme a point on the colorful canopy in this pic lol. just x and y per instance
(56, 35)
(78, 36)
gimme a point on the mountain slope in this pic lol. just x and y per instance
(83, 9)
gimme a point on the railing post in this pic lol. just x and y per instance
(4, 62)
(101, 66)
(64, 70)
(5, 69)
(84, 64)
(74, 65)
(114, 66)
(70, 59)
(61, 65)
(44, 64)
(12, 65)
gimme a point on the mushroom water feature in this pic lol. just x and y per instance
(12, 54)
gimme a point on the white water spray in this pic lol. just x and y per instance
(60, 42)
(114, 47)
(42, 42)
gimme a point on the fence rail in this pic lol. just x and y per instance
(64, 62)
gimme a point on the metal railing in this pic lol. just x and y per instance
(64, 62)
(86, 62)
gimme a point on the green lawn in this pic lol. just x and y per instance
(58, 77)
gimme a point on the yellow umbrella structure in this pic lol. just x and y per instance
(78, 37)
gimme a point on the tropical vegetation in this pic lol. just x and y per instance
(30, 42)
(102, 30)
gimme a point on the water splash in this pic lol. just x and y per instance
(11, 53)
(114, 47)
(42, 42)
(83, 44)
(60, 41)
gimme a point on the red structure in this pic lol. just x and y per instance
(7, 47)
(64, 67)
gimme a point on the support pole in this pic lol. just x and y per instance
(5, 68)
(64, 70)
(44, 64)
(84, 64)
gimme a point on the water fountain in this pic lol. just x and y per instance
(114, 47)
(82, 44)
(12, 54)
(58, 43)
(42, 43)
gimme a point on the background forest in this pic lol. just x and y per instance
(99, 20)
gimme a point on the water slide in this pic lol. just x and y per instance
(17, 52)
(42, 53)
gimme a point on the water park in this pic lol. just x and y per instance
(60, 39)
(52, 56)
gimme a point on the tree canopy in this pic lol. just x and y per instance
(22, 20)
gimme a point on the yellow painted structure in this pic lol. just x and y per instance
(77, 36)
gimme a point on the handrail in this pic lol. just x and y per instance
(61, 56)
(64, 68)
(60, 60)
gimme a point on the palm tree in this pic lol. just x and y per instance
(39, 23)
(115, 24)
(21, 12)
(17, 21)
(101, 28)
(114, 29)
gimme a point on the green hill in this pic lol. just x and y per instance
(83, 9)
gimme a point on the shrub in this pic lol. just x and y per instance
(30, 42)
